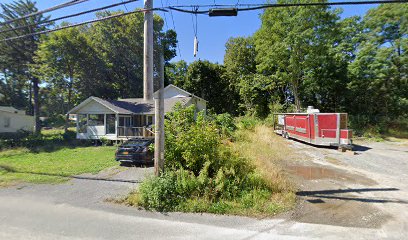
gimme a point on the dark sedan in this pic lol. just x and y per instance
(135, 151)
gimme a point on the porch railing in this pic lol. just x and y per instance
(134, 132)
(130, 131)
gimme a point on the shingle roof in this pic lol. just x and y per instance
(139, 105)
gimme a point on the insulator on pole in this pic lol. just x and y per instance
(195, 46)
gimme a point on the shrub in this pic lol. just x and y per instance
(225, 123)
(201, 174)
(190, 142)
(247, 122)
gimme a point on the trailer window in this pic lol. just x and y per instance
(343, 121)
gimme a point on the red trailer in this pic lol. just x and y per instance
(323, 129)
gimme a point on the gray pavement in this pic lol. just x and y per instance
(78, 209)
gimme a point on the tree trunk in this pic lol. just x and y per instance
(30, 101)
(295, 89)
(69, 99)
(37, 128)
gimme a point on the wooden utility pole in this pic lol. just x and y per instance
(148, 51)
(159, 122)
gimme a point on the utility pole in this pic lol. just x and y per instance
(159, 122)
(148, 51)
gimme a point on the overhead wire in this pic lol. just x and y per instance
(250, 7)
(59, 6)
(124, 4)
(194, 11)
(164, 14)
(82, 23)
(174, 27)
(67, 16)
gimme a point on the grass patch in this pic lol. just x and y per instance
(21, 165)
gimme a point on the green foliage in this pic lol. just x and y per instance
(380, 71)
(46, 141)
(206, 80)
(201, 174)
(247, 122)
(190, 142)
(104, 141)
(225, 123)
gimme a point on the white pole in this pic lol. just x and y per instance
(159, 123)
(148, 52)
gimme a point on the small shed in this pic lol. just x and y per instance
(13, 120)
(126, 118)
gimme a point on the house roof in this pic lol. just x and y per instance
(132, 105)
(182, 90)
(139, 105)
(11, 110)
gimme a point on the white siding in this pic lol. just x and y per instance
(172, 92)
(15, 122)
(200, 104)
(94, 107)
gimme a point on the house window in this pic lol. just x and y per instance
(6, 122)
(82, 123)
(139, 120)
(149, 120)
(125, 121)
(110, 124)
(96, 120)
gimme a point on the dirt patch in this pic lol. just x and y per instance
(325, 199)
(346, 213)
(320, 172)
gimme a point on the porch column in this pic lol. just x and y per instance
(116, 125)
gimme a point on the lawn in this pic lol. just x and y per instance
(23, 165)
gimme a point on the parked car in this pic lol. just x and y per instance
(135, 150)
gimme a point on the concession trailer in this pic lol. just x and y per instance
(323, 129)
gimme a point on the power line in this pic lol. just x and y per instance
(195, 11)
(124, 4)
(278, 5)
(67, 16)
(174, 27)
(82, 23)
(63, 5)
(165, 18)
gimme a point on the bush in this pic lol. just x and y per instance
(201, 174)
(247, 122)
(225, 123)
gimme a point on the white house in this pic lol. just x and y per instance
(13, 120)
(121, 119)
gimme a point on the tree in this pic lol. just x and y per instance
(118, 43)
(207, 81)
(380, 71)
(59, 59)
(292, 42)
(240, 65)
(18, 55)
(176, 72)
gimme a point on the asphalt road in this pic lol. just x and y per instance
(374, 181)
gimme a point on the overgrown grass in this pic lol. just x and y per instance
(206, 172)
(21, 165)
(269, 152)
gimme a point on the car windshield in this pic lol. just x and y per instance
(135, 143)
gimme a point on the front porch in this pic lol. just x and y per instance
(114, 126)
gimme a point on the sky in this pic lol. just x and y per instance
(212, 33)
